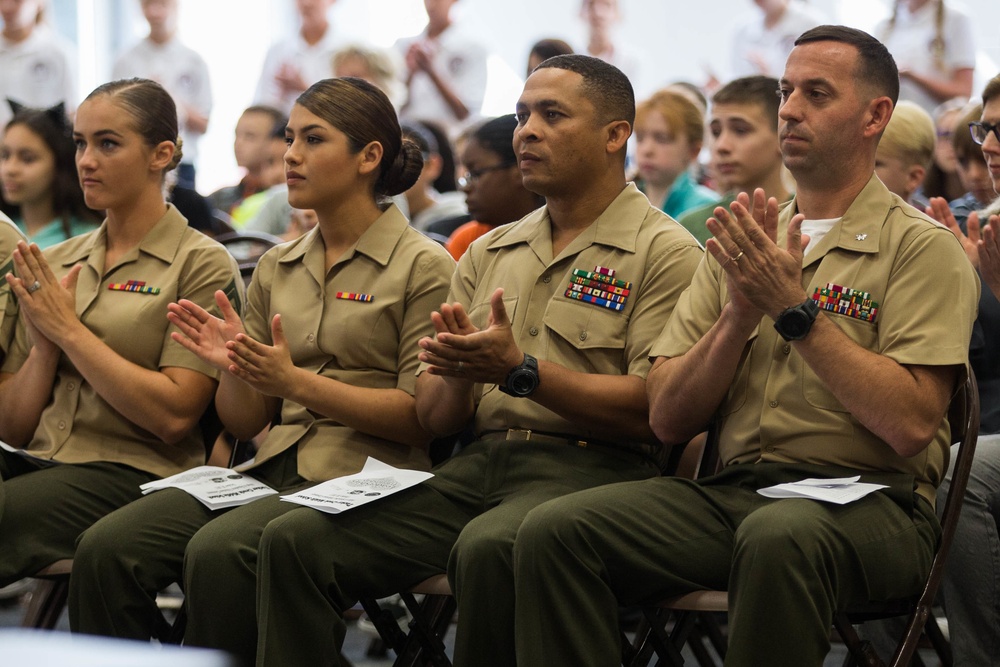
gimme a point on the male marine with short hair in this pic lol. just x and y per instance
(834, 361)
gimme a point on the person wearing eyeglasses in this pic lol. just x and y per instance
(970, 164)
(492, 184)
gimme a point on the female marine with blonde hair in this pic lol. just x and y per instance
(94, 393)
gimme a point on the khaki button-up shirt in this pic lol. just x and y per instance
(640, 244)
(78, 426)
(335, 330)
(925, 290)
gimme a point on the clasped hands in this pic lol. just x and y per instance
(763, 278)
(49, 303)
(224, 344)
(462, 351)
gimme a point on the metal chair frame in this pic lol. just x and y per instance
(693, 614)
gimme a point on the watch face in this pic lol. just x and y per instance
(523, 382)
(795, 324)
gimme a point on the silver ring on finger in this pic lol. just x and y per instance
(460, 368)
(34, 287)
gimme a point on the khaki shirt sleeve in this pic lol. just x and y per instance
(256, 317)
(926, 317)
(428, 289)
(212, 269)
(697, 310)
(667, 278)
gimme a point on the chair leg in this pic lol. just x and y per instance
(940, 643)
(47, 603)
(859, 652)
(424, 645)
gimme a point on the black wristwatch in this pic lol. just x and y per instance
(522, 381)
(794, 323)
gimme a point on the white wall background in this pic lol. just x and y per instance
(675, 39)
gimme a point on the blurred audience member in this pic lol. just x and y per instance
(933, 45)
(942, 177)
(544, 49)
(761, 46)
(972, 169)
(602, 17)
(251, 148)
(272, 178)
(376, 66)
(905, 151)
(425, 204)
(36, 64)
(492, 184)
(445, 70)
(163, 58)
(295, 63)
(40, 188)
(669, 131)
(744, 144)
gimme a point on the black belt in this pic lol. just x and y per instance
(527, 435)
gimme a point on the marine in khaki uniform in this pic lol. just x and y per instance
(833, 362)
(544, 344)
(328, 345)
(93, 387)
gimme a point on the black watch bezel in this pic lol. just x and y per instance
(522, 380)
(796, 322)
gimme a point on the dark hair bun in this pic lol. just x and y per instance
(403, 172)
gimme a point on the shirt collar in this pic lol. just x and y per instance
(162, 241)
(859, 228)
(618, 226)
(377, 243)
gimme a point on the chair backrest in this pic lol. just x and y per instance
(963, 416)
(247, 248)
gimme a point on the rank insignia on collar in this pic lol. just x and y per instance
(599, 287)
(134, 286)
(845, 301)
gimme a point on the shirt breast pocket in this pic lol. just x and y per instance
(596, 336)
(479, 313)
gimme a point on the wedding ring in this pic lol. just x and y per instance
(34, 287)
(737, 258)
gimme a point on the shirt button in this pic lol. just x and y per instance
(773, 404)
(62, 425)
(769, 449)
(546, 278)
(533, 331)
(70, 386)
(786, 349)
(310, 338)
(583, 335)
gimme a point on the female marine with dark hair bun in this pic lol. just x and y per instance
(328, 345)
(93, 391)
(40, 187)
